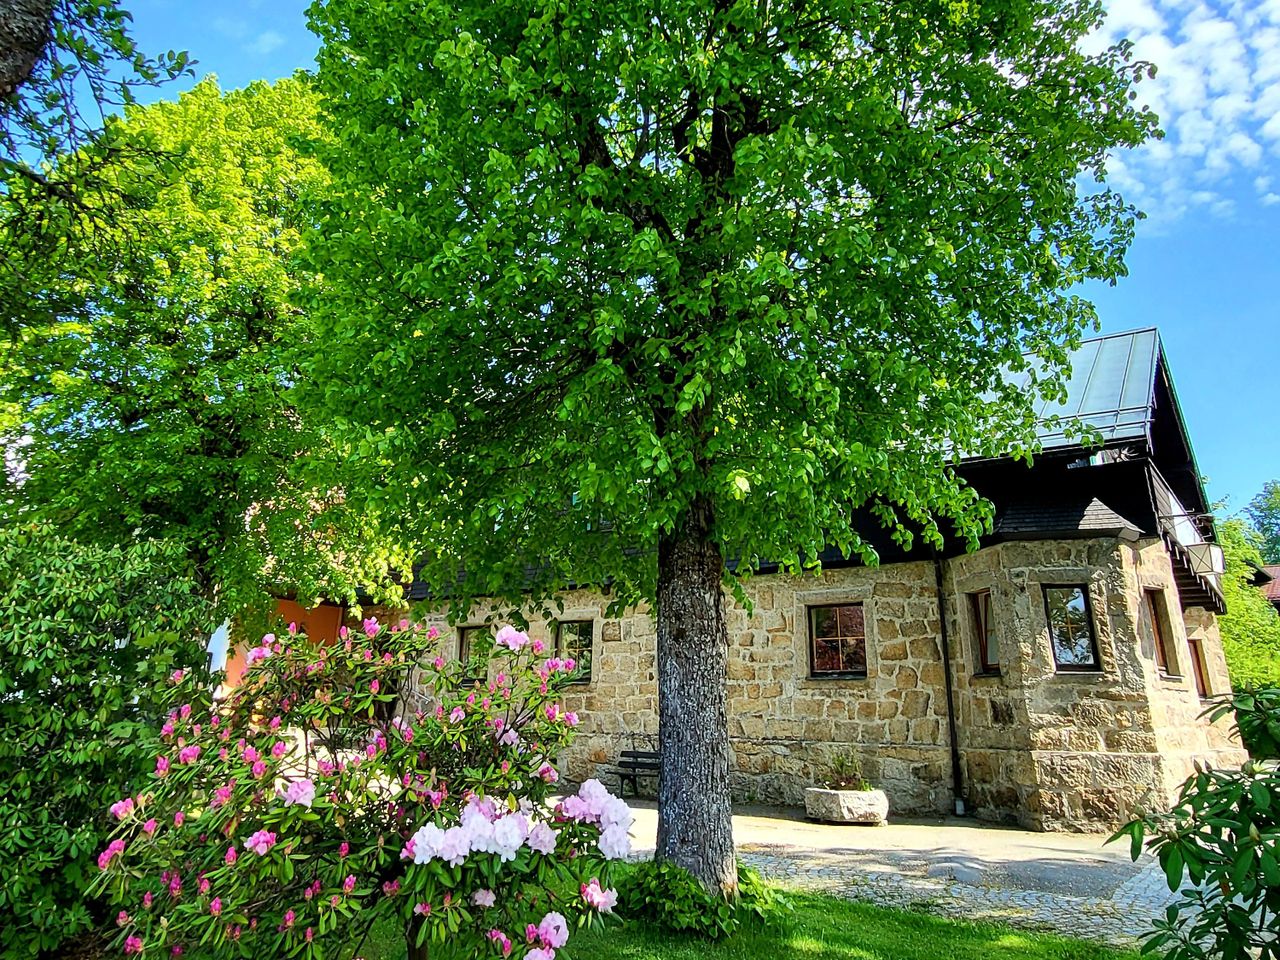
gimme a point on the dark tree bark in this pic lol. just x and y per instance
(25, 29)
(695, 827)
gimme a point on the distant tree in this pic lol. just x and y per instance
(639, 289)
(1251, 626)
(1263, 512)
(153, 402)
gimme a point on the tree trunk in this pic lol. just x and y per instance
(416, 952)
(695, 828)
(25, 29)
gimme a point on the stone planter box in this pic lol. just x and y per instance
(846, 806)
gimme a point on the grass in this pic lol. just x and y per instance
(834, 929)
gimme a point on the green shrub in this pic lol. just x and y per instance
(1224, 831)
(671, 898)
(88, 638)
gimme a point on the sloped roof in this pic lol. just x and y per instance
(1038, 516)
(1111, 390)
(1271, 589)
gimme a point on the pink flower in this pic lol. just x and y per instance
(548, 773)
(184, 711)
(422, 909)
(122, 808)
(167, 729)
(537, 953)
(176, 676)
(261, 842)
(290, 918)
(249, 755)
(203, 885)
(293, 629)
(553, 931)
(279, 749)
(484, 898)
(349, 884)
(373, 686)
(114, 849)
(537, 646)
(215, 906)
(407, 852)
(542, 839)
(147, 899)
(456, 714)
(259, 769)
(344, 848)
(230, 858)
(502, 940)
(150, 827)
(598, 899)
(390, 888)
(342, 632)
(188, 754)
(274, 724)
(162, 766)
(122, 919)
(176, 951)
(179, 818)
(511, 638)
(132, 944)
(571, 718)
(371, 627)
(300, 793)
(438, 662)
(309, 935)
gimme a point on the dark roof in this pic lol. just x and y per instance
(1069, 516)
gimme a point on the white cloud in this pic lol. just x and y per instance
(1217, 92)
(266, 42)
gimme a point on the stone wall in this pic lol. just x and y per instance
(1040, 747)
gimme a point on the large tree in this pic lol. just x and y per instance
(644, 289)
(1264, 512)
(152, 402)
(1251, 626)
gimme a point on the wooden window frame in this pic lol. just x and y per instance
(1199, 669)
(981, 628)
(579, 677)
(816, 674)
(1083, 588)
(464, 648)
(1153, 599)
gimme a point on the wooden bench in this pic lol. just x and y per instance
(634, 764)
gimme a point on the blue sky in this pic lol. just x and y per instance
(1204, 268)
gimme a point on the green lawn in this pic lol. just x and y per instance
(827, 927)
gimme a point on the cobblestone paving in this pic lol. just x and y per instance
(963, 891)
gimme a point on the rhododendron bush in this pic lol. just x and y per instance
(359, 784)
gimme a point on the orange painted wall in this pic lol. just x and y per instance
(319, 623)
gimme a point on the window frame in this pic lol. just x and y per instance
(1199, 668)
(1059, 666)
(579, 679)
(981, 628)
(1153, 600)
(816, 674)
(464, 647)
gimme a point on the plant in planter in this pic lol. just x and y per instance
(846, 796)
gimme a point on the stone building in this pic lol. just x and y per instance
(1054, 678)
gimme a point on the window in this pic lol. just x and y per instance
(985, 632)
(573, 639)
(1198, 667)
(1155, 631)
(1070, 618)
(837, 641)
(466, 644)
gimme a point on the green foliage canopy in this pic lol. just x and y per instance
(590, 264)
(1264, 513)
(154, 400)
(88, 637)
(1251, 626)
